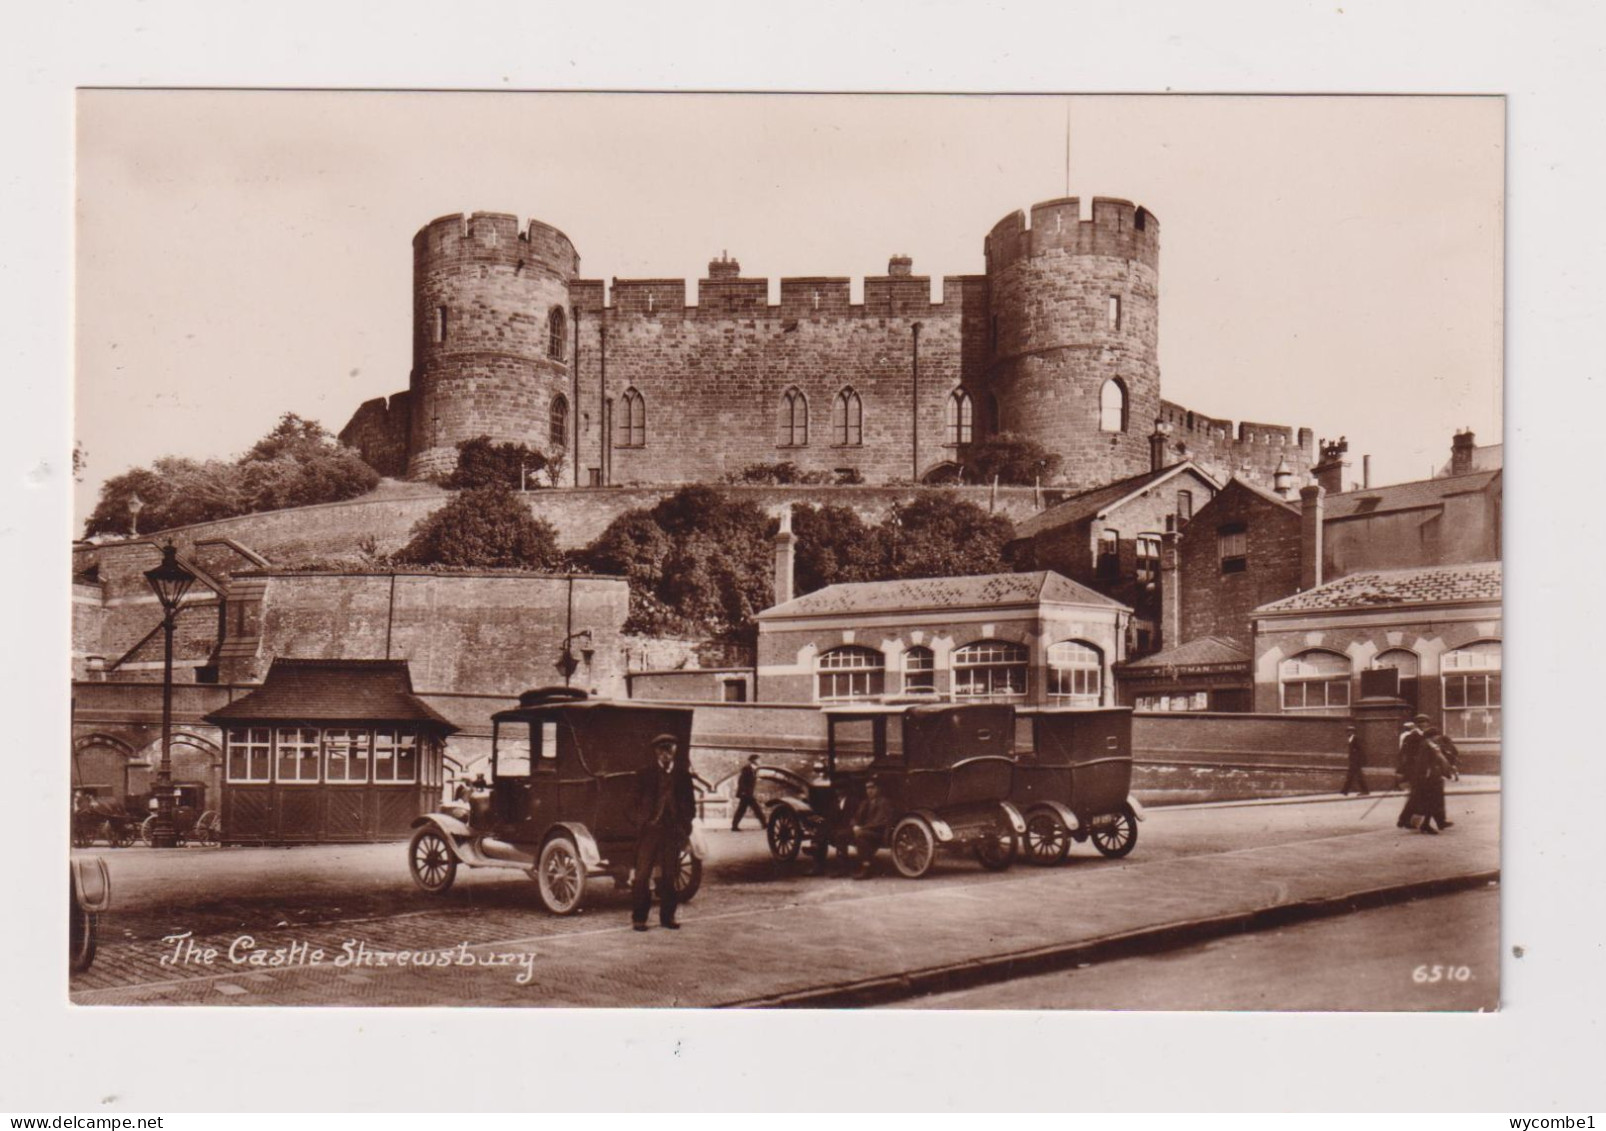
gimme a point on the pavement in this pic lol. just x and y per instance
(341, 925)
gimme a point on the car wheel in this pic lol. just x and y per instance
(689, 876)
(1116, 836)
(560, 876)
(997, 852)
(431, 860)
(1048, 841)
(785, 834)
(914, 847)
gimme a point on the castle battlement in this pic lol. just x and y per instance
(671, 380)
(1117, 229)
(495, 237)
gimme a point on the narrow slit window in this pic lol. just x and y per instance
(440, 323)
(1115, 312)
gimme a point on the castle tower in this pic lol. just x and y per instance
(493, 337)
(1073, 355)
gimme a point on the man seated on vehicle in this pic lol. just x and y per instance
(870, 823)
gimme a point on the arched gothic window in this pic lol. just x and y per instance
(558, 422)
(794, 419)
(556, 337)
(847, 419)
(1112, 406)
(961, 417)
(632, 428)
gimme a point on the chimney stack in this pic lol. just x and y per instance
(1157, 444)
(1366, 472)
(784, 541)
(1329, 473)
(900, 265)
(1461, 448)
(1310, 536)
(724, 267)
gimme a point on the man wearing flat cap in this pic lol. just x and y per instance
(665, 806)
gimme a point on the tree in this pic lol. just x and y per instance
(937, 535)
(1011, 459)
(698, 561)
(296, 464)
(483, 463)
(486, 528)
(834, 545)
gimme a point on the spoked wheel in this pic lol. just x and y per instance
(147, 830)
(119, 834)
(997, 852)
(785, 834)
(431, 860)
(82, 835)
(209, 828)
(560, 875)
(689, 876)
(81, 931)
(914, 847)
(1117, 833)
(1048, 841)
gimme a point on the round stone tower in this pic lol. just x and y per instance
(1074, 336)
(492, 336)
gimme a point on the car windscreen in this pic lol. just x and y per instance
(618, 741)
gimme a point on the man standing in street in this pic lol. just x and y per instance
(746, 783)
(1357, 774)
(870, 821)
(1408, 771)
(665, 805)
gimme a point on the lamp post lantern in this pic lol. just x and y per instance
(171, 581)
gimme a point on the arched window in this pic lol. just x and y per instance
(556, 338)
(632, 428)
(1315, 683)
(1112, 406)
(1407, 665)
(990, 670)
(794, 419)
(850, 674)
(558, 422)
(847, 419)
(961, 417)
(1471, 678)
(1075, 674)
(919, 669)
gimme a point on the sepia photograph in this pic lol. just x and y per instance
(750, 550)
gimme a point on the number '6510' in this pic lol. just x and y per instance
(1426, 973)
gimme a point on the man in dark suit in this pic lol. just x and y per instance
(870, 822)
(1357, 772)
(665, 806)
(746, 784)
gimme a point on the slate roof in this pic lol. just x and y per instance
(1404, 496)
(1090, 503)
(913, 594)
(1206, 650)
(333, 691)
(1385, 588)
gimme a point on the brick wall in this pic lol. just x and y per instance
(1216, 603)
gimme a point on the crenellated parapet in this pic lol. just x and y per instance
(1116, 229)
(1249, 449)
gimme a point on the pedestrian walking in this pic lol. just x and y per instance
(1356, 778)
(1408, 771)
(746, 783)
(665, 806)
(1436, 768)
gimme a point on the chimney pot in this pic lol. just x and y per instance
(900, 265)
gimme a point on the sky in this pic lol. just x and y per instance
(1332, 263)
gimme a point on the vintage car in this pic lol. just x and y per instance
(1073, 771)
(561, 803)
(91, 886)
(947, 771)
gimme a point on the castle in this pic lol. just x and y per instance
(1056, 342)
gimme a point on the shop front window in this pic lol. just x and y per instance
(1075, 674)
(1471, 678)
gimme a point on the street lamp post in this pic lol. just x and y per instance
(171, 581)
